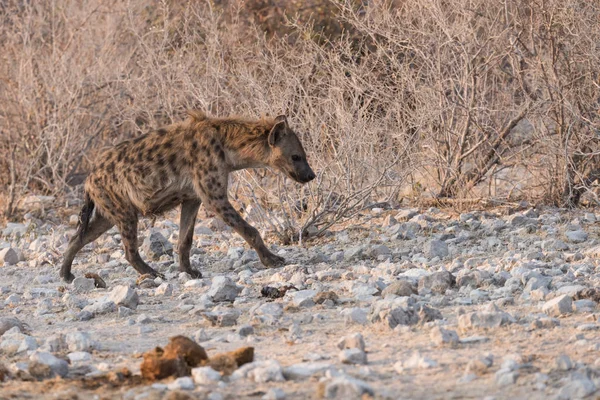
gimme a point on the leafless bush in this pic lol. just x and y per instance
(453, 98)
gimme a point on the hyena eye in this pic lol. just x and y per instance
(296, 158)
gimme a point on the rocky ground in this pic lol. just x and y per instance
(399, 304)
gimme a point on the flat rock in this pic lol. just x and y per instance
(205, 375)
(302, 298)
(344, 388)
(223, 288)
(558, 306)
(43, 365)
(441, 336)
(9, 256)
(305, 370)
(436, 248)
(353, 356)
(124, 296)
(260, 372)
(438, 282)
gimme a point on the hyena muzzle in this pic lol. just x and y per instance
(185, 164)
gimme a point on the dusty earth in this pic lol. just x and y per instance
(485, 304)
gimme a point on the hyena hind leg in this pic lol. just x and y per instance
(97, 226)
(189, 210)
(130, 238)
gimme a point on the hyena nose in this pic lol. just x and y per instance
(311, 175)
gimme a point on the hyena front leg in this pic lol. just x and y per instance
(231, 217)
(189, 210)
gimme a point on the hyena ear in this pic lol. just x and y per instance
(278, 130)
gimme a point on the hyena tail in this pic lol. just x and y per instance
(85, 216)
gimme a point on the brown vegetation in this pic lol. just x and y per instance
(394, 99)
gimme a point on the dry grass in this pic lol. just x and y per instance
(397, 99)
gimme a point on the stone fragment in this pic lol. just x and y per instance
(260, 372)
(274, 394)
(355, 315)
(80, 341)
(124, 296)
(222, 318)
(354, 341)
(205, 375)
(506, 377)
(438, 282)
(436, 248)
(79, 356)
(441, 336)
(156, 245)
(484, 319)
(182, 383)
(558, 306)
(479, 365)
(223, 289)
(9, 256)
(344, 388)
(399, 288)
(7, 323)
(43, 365)
(578, 236)
(303, 298)
(563, 362)
(165, 289)
(416, 361)
(353, 356)
(579, 387)
(82, 284)
(305, 370)
(100, 307)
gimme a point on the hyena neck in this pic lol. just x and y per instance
(246, 145)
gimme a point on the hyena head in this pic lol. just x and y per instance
(287, 153)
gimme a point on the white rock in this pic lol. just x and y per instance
(82, 284)
(436, 248)
(79, 341)
(346, 388)
(563, 362)
(9, 256)
(416, 361)
(28, 343)
(302, 298)
(274, 394)
(165, 289)
(578, 388)
(558, 306)
(223, 289)
(78, 356)
(353, 356)
(124, 296)
(506, 377)
(305, 370)
(576, 236)
(260, 372)
(183, 383)
(355, 315)
(57, 366)
(205, 375)
(441, 336)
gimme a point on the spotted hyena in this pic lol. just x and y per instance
(183, 164)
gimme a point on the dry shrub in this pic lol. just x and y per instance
(456, 98)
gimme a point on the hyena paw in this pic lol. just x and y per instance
(157, 274)
(195, 274)
(272, 260)
(68, 278)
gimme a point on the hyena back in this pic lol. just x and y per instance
(183, 164)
